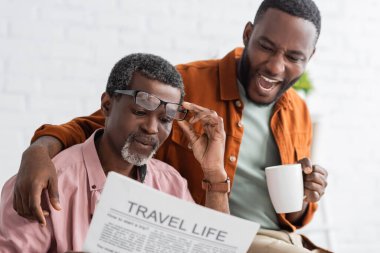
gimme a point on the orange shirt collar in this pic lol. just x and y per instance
(228, 75)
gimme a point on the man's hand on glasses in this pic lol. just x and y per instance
(208, 147)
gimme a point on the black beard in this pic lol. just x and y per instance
(285, 88)
(244, 77)
(243, 71)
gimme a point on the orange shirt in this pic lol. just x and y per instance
(213, 84)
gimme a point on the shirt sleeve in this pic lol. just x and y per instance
(74, 132)
(18, 234)
(186, 195)
(307, 217)
(302, 149)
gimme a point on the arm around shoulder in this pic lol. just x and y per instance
(73, 132)
(37, 172)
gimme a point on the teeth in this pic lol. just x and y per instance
(269, 80)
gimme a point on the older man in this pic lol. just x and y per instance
(144, 95)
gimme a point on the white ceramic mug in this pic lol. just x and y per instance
(285, 185)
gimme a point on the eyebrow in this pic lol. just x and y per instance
(292, 52)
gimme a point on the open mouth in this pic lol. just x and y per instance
(267, 84)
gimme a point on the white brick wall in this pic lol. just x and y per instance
(55, 56)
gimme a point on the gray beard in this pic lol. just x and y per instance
(135, 158)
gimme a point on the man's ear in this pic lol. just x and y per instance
(106, 104)
(247, 33)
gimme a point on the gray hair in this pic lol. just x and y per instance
(150, 66)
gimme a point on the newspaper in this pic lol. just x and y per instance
(132, 217)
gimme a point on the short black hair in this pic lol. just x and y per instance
(305, 9)
(150, 66)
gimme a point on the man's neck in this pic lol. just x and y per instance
(111, 160)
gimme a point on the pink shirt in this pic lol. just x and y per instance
(81, 180)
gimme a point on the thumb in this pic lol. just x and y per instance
(306, 164)
(53, 193)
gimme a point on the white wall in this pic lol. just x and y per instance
(345, 70)
(55, 57)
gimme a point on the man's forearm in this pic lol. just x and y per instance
(217, 201)
(37, 172)
(48, 144)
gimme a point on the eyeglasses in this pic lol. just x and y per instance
(151, 103)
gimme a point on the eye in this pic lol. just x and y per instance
(266, 47)
(166, 120)
(139, 112)
(294, 58)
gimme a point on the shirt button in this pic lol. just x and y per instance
(238, 103)
(232, 158)
(240, 124)
(93, 186)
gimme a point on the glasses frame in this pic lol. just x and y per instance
(134, 93)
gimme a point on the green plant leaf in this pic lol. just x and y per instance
(304, 83)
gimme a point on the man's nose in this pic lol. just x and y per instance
(275, 65)
(150, 125)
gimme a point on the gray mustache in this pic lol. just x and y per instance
(146, 139)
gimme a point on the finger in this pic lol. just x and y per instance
(306, 165)
(221, 124)
(189, 132)
(15, 201)
(201, 114)
(39, 214)
(194, 107)
(207, 120)
(17, 206)
(25, 205)
(14, 198)
(35, 204)
(208, 115)
(313, 187)
(33, 218)
(312, 196)
(53, 193)
(198, 111)
(214, 127)
(317, 178)
(20, 207)
(320, 169)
